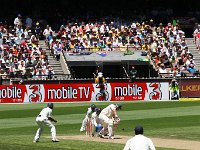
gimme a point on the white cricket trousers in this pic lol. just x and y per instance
(84, 121)
(107, 123)
(43, 121)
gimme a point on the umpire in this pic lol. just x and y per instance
(139, 141)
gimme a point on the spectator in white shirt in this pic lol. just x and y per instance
(18, 21)
(139, 141)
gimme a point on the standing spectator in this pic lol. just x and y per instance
(28, 22)
(18, 21)
(133, 74)
(139, 141)
(57, 50)
(38, 30)
(174, 90)
(47, 31)
(45, 118)
(101, 81)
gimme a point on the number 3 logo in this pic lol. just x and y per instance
(156, 93)
(36, 96)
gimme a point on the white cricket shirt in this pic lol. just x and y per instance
(139, 142)
(46, 112)
(109, 110)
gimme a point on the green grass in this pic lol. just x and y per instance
(159, 119)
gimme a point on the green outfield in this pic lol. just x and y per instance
(178, 120)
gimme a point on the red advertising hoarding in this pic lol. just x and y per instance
(190, 89)
(83, 92)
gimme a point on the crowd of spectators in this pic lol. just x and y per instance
(165, 45)
(21, 56)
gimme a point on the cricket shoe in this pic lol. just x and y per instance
(101, 135)
(35, 141)
(111, 137)
(55, 140)
(82, 129)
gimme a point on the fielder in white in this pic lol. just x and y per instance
(88, 116)
(107, 115)
(45, 118)
(139, 141)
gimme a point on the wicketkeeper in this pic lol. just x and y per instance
(88, 116)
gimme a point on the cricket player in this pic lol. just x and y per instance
(107, 115)
(45, 118)
(88, 116)
(96, 122)
(139, 141)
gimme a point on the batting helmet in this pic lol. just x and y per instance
(98, 110)
(50, 105)
(118, 105)
(93, 106)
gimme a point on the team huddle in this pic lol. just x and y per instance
(101, 122)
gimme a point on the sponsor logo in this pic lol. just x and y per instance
(11, 92)
(156, 93)
(68, 93)
(36, 95)
(191, 88)
(128, 90)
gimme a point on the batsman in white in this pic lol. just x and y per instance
(107, 115)
(88, 115)
(45, 118)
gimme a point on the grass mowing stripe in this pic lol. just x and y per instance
(28, 106)
(24, 142)
(170, 126)
(150, 125)
(125, 115)
(159, 113)
(137, 105)
(82, 109)
(30, 112)
(30, 121)
(62, 129)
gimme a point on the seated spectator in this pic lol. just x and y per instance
(29, 73)
(191, 69)
(40, 74)
(3, 74)
(162, 71)
(50, 73)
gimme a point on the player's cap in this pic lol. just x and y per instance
(118, 105)
(93, 106)
(138, 130)
(50, 105)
